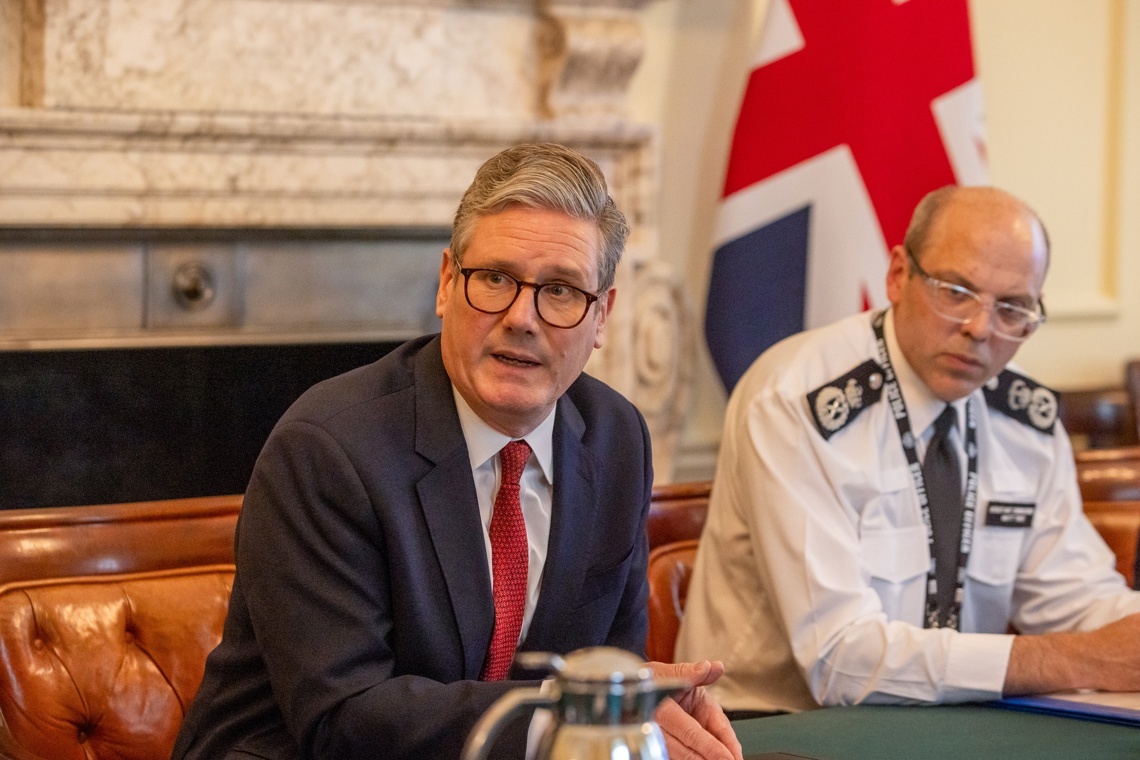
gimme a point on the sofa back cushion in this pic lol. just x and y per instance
(106, 669)
(107, 615)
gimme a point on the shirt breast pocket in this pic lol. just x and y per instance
(887, 499)
(897, 560)
(992, 572)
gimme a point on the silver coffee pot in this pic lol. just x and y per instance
(603, 700)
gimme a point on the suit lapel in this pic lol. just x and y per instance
(451, 508)
(572, 517)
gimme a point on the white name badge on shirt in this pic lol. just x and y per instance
(1009, 514)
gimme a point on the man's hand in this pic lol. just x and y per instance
(695, 727)
(1107, 659)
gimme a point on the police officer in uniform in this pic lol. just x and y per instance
(895, 516)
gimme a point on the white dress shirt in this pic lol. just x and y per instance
(535, 489)
(810, 578)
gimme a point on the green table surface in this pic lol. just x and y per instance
(948, 732)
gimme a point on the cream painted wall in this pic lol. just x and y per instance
(1062, 93)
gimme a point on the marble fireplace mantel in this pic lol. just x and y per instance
(333, 114)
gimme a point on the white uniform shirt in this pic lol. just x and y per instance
(535, 489)
(810, 579)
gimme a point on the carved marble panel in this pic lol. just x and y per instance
(332, 114)
(308, 56)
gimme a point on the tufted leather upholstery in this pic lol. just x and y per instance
(106, 617)
(670, 568)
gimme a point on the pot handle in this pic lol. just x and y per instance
(487, 729)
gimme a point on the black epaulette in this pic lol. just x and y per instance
(835, 405)
(1023, 399)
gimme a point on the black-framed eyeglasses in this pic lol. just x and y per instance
(557, 304)
(961, 305)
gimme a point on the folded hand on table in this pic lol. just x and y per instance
(694, 725)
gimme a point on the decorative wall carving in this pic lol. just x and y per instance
(586, 59)
(334, 113)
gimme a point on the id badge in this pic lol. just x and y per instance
(1010, 514)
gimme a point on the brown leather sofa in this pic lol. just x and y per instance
(107, 614)
(677, 511)
(670, 569)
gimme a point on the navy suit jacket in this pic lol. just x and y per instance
(362, 610)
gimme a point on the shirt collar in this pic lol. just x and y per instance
(922, 405)
(484, 442)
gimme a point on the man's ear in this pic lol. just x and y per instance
(898, 269)
(604, 305)
(447, 273)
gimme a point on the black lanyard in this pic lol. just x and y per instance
(902, 419)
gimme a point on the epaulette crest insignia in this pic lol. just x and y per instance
(1023, 399)
(836, 404)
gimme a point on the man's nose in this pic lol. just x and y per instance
(980, 326)
(523, 315)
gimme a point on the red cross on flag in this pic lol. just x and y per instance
(854, 110)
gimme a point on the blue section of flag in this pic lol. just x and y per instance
(756, 293)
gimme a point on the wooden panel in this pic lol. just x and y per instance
(1109, 474)
(1098, 418)
(1118, 522)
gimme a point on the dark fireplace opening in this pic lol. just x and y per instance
(134, 424)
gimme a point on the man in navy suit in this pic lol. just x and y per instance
(363, 608)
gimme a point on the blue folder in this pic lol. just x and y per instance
(1047, 705)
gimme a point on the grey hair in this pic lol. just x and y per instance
(932, 204)
(549, 177)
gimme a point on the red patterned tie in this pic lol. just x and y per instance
(509, 562)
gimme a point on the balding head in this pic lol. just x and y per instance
(982, 203)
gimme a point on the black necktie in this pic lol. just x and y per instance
(940, 471)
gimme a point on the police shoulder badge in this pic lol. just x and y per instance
(1023, 399)
(836, 405)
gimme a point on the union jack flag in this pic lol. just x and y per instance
(853, 111)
